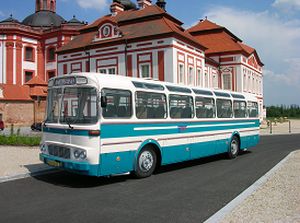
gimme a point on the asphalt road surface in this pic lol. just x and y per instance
(186, 192)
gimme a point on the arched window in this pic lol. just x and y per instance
(51, 54)
(38, 5)
(45, 5)
(52, 6)
(29, 54)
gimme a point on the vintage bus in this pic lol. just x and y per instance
(101, 125)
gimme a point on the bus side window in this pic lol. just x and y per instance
(181, 106)
(151, 105)
(119, 104)
(224, 108)
(239, 108)
(253, 109)
(205, 107)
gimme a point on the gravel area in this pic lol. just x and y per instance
(282, 128)
(277, 200)
(19, 160)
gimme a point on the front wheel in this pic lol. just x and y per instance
(234, 148)
(146, 162)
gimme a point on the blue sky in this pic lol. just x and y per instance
(270, 26)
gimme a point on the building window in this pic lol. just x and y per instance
(181, 73)
(65, 68)
(191, 76)
(145, 71)
(28, 76)
(206, 80)
(51, 74)
(199, 82)
(245, 83)
(215, 81)
(45, 4)
(29, 54)
(51, 54)
(108, 70)
(227, 85)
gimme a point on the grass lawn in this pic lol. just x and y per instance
(17, 140)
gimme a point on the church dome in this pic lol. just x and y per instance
(44, 19)
(127, 4)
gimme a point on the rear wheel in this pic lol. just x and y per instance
(234, 148)
(146, 162)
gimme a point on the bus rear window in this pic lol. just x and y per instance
(119, 104)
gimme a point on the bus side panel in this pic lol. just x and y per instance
(116, 163)
(174, 154)
(203, 149)
(222, 146)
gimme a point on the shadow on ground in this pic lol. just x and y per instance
(67, 179)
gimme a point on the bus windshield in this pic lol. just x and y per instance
(72, 105)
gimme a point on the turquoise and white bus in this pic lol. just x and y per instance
(101, 125)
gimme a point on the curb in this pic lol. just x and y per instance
(218, 216)
(25, 175)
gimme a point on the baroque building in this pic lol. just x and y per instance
(28, 60)
(145, 41)
(136, 39)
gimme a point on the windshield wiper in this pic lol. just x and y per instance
(68, 121)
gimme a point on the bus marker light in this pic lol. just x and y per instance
(94, 133)
(118, 158)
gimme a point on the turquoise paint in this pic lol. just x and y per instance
(116, 163)
(83, 168)
(123, 162)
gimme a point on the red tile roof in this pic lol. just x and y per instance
(133, 24)
(36, 81)
(219, 40)
(204, 25)
(15, 92)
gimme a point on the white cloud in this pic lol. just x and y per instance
(93, 4)
(276, 41)
(287, 5)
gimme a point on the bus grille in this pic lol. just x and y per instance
(59, 151)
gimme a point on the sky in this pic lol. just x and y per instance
(272, 27)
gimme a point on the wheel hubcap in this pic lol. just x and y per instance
(234, 147)
(145, 161)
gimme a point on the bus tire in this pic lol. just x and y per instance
(146, 162)
(234, 147)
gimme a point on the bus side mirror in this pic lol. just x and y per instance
(103, 101)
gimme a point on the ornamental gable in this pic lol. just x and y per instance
(107, 30)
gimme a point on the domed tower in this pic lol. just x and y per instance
(45, 5)
(45, 15)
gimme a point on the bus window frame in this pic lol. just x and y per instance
(115, 118)
(151, 92)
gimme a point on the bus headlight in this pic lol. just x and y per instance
(79, 154)
(43, 148)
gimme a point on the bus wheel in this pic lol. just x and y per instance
(146, 162)
(234, 147)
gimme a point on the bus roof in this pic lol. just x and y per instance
(123, 82)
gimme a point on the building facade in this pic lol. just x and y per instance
(145, 41)
(136, 39)
(28, 59)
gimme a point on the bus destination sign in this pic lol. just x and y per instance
(65, 81)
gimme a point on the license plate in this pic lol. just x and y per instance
(54, 163)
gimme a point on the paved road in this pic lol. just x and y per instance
(189, 192)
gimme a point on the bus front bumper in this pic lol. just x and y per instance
(83, 168)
